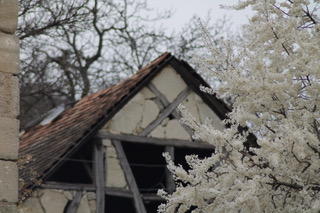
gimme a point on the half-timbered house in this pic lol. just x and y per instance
(104, 153)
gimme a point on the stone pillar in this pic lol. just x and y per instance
(9, 106)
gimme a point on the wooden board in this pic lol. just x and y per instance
(166, 112)
(164, 102)
(99, 175)
(75, 203)
(154, 141)
(170, 185)
(137, 197)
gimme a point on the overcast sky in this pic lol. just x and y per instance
(185, 9)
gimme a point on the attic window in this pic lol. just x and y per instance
(152, 206)
(77, 168)
(119, 204)
(180, 154)
(148, 166)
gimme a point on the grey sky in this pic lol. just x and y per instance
(185, 9)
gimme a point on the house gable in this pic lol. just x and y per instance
(141, 111)
(144, 108)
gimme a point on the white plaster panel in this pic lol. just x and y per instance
(53, 201)
(147, 94)
(191, 105)
(84, 205)
(170, 129)
(201, 112)
(159, 132)
(31, 205)
(175, 130)
(150, 113)
(169, 83)
(135, 115)
(114, 173)
(92, 205)
(206, 114)
(68, 195)
(128, 119)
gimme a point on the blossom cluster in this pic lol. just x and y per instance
(273, 76)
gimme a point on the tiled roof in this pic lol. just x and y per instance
(47, 143)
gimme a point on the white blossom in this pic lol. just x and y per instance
(273, 76)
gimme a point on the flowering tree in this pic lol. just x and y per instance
(273, 76)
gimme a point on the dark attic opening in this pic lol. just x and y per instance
(152, 206)
(119, 205)
(148, 166)
(181, 153)
(76, 168)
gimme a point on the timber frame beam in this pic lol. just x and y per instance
(164, 102)
(169, 178)
(154, 141)
(137, 197)
(99, 175)
(166, 111)
(112, 191)
(75, 203)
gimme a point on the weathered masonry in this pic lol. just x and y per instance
(104, 153)
(9, 110)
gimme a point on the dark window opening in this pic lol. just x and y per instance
(149, 169)
(180, 154)
(152, 206)
(148, 166)
(119, 205)
(77, 168)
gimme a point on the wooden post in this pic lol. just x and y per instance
(112, 191)
(99, 175)
(137, 197)
(170, 185)
(166, 112)
(74, 205)
(164, 103)
(155, 141)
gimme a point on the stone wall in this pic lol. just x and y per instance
(56, 201)
(114, 174)
(9, 106)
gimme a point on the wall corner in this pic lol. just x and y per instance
(9, 106)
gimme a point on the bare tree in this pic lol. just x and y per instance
(70, 48)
